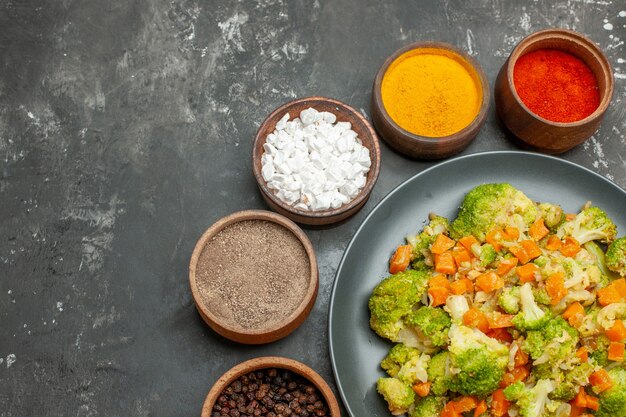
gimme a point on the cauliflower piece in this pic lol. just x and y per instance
(531, 317)
(591, 223)
(456, 306)
(414, 370)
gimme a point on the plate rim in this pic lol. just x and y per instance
(394, 191)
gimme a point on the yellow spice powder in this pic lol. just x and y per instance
(431, 92)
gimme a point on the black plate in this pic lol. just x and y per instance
(355, 350)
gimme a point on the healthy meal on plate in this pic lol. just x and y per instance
(514, 308)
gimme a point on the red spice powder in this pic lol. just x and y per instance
(556, 85)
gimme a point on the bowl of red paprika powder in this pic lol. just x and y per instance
(553, 90)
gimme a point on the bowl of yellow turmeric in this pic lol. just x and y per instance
(429, 100)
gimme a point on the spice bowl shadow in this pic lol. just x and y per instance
(430, 147)
(299, 292)
(267, 362)
(533, 131)
(344, 113)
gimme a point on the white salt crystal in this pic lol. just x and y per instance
(282, 122)
(328, 117)
(309, 116)
(268, 172)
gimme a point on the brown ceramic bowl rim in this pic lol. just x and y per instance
(568, 35)
(265, 362)
(267, 334)
(321, 214)
(456, 136)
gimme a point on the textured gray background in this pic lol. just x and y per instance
(125, 131)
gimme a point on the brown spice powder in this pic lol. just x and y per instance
(253, 274)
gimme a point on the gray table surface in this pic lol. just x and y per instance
(125, 131)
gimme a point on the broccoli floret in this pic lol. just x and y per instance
(437, 225)
(429, 406)
(398, 356)
(532, 402)
(399, 396)
(590, 224)
(552, 215)
(414, 370)
(487, 254)
(613, 400)
(438, 373)
(567, 382)
(595, 251)
(393, 299)
(531, 317)
(542, 296)
(490, 205)
(616, 256)
(432, 322)
(600, 354)
(509, 299)
(478, 360)
(553, 343)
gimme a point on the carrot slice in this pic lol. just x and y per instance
(499, 404)
(461, 286)
(519, 373)
(570, 247)
(468, 242)
(538, 230)
(616, 351)
(512, 233)
(465, 404)
(580, 400)
(476, 318)
(422, 388)
(620, 286)
(555, 286)
(593, 403)
(438, 295)
(583, 353)
(500, 335)
(600, 380)
(617, 332)
(608, 295)
(461, 255)
(441, 244)
(553, 243)
(505, 266)
(531, 248)
(520, 254)
(494, 238)
(481, 408)
(439, 281)
(489, 281)
(449, 411)
(444, 263)
(526, 273)
(499, 320)
(400, 259)
(521, 358)
(574, 314)
(569, 217)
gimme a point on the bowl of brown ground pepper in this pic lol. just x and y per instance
(254, 276)
(270, 386)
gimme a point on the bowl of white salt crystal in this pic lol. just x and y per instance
(316, 160)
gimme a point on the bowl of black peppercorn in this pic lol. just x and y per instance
(270, 386)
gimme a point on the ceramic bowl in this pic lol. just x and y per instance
(344, 113)
(264, 334)
(533, 131)
(423, 147)
(266, 362)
